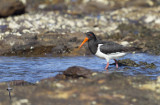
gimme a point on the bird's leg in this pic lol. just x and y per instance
(107, 66)
(116, 63)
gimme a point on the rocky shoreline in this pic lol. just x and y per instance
(38, 30)
(57, 27)
(79, 86)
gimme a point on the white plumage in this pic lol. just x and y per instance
(109, 56)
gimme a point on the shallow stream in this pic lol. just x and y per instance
(33, 69)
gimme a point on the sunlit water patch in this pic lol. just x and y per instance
(33, 69)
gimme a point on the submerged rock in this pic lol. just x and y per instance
(128, 62)
(147, 65)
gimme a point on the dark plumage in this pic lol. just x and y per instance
(106, 49)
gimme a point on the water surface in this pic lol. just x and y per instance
(33, 69)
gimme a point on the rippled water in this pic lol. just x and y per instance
(33, 69)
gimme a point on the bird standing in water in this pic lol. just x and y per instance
(105, 49)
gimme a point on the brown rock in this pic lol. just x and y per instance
(11, 7)
(76, 72)
(20, 83)
(45, 44)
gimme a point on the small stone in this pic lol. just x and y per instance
(157, 21)
(79, 24)
(7, 32)
(124, 43)
(150, 18)
(23, 1)
(96, 29)
(104, 88)
(42, 6)
(59, 85)
(134, 100)
(94, 74)
(94, 102)
(31, 47)
(21, 102)
(26, 31)
(63, 26)
(27, 24)
(18, 34)
(14, 25)
(71, 23)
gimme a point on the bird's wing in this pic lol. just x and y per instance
(111, 47)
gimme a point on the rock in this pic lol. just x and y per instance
(102, 89)
(14, 25)
(150, 18)
(45, 44)
(20, 83)
(11, 7)
(56, 29)
(148, 65)
(76, 72)
(128, 62)
(21, 102)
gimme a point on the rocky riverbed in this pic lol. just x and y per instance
(55, 28)
(81, 86)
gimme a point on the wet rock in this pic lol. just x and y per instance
(20, 83)
(60, 76)
(59, 50)
(74, 72)
(77, 72)
(45, 44)
(151, 66)
(148, 65)
(128, 62)
(103, 89)
(11, 7)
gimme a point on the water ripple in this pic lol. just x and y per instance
(33, 69)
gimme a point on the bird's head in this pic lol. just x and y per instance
(89, 36)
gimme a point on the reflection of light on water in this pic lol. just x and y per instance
(35, 68)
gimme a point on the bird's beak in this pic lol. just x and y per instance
(84, 41)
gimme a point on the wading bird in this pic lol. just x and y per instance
(106, 49)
